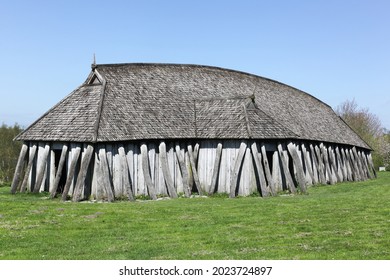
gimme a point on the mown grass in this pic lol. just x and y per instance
(345, 221)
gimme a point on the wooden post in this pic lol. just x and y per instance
(371, 164)
(41, 169)
(321, 168)
(257, 158)
(104, 175)
(366, 165)
(165, 169)
(71, 172)
(32, 153)
(19, 168)
(307, 162)
(236, 170)
(83, 173)
(298, 165)
(59, 170)
(345, 156)
(276, 172)
(125, 172)
(146, 172)
(341, 164)
(334, 165)
(362, 175)
(356, 170)
(267, 170)
(326, 162)
(183, 169)
(286, 170)
(217, 162)
(194, 171)
(314, 164)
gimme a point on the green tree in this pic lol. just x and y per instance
(9, 151)
(368, 126)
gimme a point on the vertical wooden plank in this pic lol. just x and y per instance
(347, 164)
(259, 167)
(321, 167)
(308, 166)
(194, 171)
(31, 158)
(71, 171)
(117, 175)
(59, 170)
(96, 169)
(355, 171)
(104, 174)
(217, 162)
(341, 164)
(131, 163)
(183, 170)
(124, 172)
(276, 172)
(165, 169)
(52, 176)
(314, 162)
(77, 193)
(236, 170)
(146, 172)
(300, 173)
(333, 165)
(351, 174)
(267, 170)
(369, 156)
(286, 170)
(19, 168)
(366, 165)
(358, 164)
(324, 150)
(41, 166)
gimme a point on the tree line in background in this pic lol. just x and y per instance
(369, 128)
(9, 151)
(364, 123)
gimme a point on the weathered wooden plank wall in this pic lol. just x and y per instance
(108, 171)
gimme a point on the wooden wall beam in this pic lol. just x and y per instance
(41, 166)
(236, 170)
(60, 169)
(267, 170)
(82, 174)
(71, 172)
(321, 167)
(104, 175)
(19, 168)
(165, 169)
(298, 165)
(30, 163)
(286, 171)
(146, 172)
(217, 162)
(183, 169)
(328, 170)
(314, 164)
(194, 170)
(259, 166)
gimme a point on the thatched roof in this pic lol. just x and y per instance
(120, 102)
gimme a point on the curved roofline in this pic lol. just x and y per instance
(94, 66)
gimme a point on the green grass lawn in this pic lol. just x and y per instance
(345, 221)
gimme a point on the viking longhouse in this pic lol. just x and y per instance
(175, 130)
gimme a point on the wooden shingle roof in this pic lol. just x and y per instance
(120, 102)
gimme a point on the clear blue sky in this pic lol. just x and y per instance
(335, 50)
